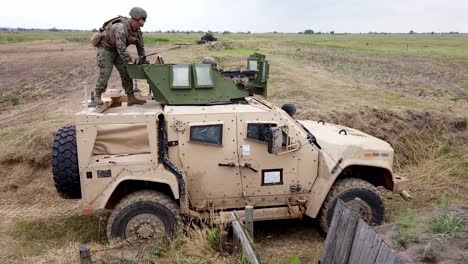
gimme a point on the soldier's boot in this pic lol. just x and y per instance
(98, 100)
(131, 100)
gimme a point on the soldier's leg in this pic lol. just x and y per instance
(127, 83)
(105, 61)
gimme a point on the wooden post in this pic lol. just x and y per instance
(85, 91)
(249, 221)
(349, 235)
(85, 255)
(239, 234)
(352, 240)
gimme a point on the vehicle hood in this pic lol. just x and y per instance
(350, 145)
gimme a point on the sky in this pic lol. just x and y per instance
(353, 16)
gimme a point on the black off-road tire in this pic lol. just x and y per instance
(152, 204)
(65, 163)
(347, 190)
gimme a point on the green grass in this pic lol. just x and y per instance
(440, 46)
(448, 224)
(405, 237)
(14, 101)
(15, 37)
(407, 220)
(461, 171)
(40, 235)
(212, 236)
(465, 85)
(463, 258)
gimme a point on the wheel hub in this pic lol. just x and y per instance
(145, 226)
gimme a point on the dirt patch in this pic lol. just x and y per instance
(423, 243)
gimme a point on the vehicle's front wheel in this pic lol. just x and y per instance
(143, 216)
(370, 204)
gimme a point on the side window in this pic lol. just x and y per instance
(258, 131)
(209, 134)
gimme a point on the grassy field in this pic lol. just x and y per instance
(410, 90)
(427, 45)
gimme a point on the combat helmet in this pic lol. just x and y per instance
(137, 13)
(209, 60)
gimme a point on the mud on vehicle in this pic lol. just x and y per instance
(210, 143)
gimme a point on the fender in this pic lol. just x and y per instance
(327, 175)
(160, 175)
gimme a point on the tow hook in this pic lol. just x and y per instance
(405, 195)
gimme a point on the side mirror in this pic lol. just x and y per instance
(290, 109)
(274, 140)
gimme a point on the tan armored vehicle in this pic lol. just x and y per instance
(209, 143)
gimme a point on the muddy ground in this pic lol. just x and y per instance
(421, 112)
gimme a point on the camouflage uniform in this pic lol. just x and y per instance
(109, 55)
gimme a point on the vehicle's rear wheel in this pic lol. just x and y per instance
(143, 216)
(65, 163)
(369, 204)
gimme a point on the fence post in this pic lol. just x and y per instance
(85, 255)
(249, 221)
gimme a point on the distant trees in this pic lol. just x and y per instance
(308, 31)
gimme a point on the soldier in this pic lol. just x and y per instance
(117, 34)
(209, 60)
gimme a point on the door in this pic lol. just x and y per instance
(208, 153)
(264, 174)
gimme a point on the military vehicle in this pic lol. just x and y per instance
(208, 37)
(210, 143)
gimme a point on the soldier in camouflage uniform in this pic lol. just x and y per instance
(118, 33)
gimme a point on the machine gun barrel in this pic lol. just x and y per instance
(232, 74)
(143, 58)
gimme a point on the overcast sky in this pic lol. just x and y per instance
(246, 15)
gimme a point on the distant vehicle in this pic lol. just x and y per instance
(210, 143)
(208, 37)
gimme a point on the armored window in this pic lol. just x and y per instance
(203, 75)
(252, 65)
(181, 76)
(210, 134)
(259, 131)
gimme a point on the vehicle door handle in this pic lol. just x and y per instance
(230, 164)
(249, 166)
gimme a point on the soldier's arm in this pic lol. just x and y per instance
(141, 45)
(121, 43)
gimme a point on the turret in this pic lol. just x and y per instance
(200, 84)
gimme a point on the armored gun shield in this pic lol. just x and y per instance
(197, 84)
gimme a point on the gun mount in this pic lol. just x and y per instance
(199, 84)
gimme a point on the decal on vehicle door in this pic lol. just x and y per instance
(272, 177)
(245, 150)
